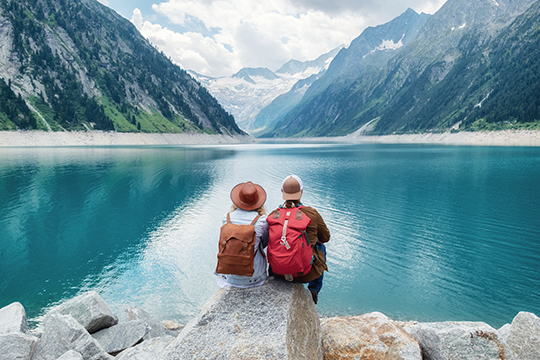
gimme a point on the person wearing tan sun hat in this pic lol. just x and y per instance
(247, 204)
(292, 190)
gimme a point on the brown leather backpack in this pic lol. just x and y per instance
(236, 248)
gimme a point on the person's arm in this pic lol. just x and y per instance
(323, 234)
(262, 231)
(317, 231)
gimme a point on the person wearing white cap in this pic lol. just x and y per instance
(292, 189)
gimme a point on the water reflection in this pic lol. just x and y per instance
(418, 232)
(67, 213)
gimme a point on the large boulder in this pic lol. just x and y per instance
(523, 336)
(275, 321)
(121, 336)
(16, 345)
(62, 333)
(149, 349)
(90, 310)
(157, 328)
(460, 340)
(13, 319)
(71, 355)
(367, 337)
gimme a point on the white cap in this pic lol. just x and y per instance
(292, 188)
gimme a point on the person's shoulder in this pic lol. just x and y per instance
(309, 209)
(242, 216)
(311, 212)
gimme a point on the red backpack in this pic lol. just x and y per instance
(289, 251)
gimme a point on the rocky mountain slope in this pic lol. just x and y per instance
(78, 65)
(445, 76)
(248, 91)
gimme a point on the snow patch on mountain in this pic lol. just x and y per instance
(247, 92)
(461, 27)
(387, 45)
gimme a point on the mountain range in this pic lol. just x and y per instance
(76, 65)
(247, 92)
(473, 65)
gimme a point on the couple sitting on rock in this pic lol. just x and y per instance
(293, 234)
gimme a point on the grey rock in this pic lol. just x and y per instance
(90, 310)
(158, 328)
(147, 350)
(13, 319)
(62, 333)
(172, 326)
(16, 345)
(369, 336)
(37, 332)
(71, 355)
(504, 331)
(121, 336)
(460, 340)
(524, 336)
(275, 321)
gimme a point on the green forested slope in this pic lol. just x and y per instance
(82, 66)
(474, 66)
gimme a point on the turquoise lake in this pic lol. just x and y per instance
(419, 232)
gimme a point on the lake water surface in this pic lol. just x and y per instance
(419, 232)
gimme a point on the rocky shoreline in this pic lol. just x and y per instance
(479, 138)
(109, 138)
(276, 320)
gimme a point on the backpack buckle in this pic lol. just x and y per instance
(285, 243)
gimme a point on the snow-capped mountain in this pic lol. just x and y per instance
(247, 92)
(421, 73)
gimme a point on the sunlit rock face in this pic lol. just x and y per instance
(276, 321)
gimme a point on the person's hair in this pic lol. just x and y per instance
(261, 211)
(291, 204)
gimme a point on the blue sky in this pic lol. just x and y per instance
(219, 37)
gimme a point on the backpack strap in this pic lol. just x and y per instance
(228, 218)
(254, 220)
(284, 241)
(259, 247)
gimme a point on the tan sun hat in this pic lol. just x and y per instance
(292, 188)
(248, 196)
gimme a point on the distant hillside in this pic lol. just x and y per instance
(77, 65)
(472, 65)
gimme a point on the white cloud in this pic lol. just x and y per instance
(225, 35)
(190, 50)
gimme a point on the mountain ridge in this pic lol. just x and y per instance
(405, 92)
(249, 90)
(107, 77)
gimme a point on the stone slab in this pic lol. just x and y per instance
(16, 345)
(121, 336)
(90, 310)
(460, 340)
(370, 336)
(275, 321)
(71, 355)
(150, 349)
(13, 319)
(62, 333)
(524, 336)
